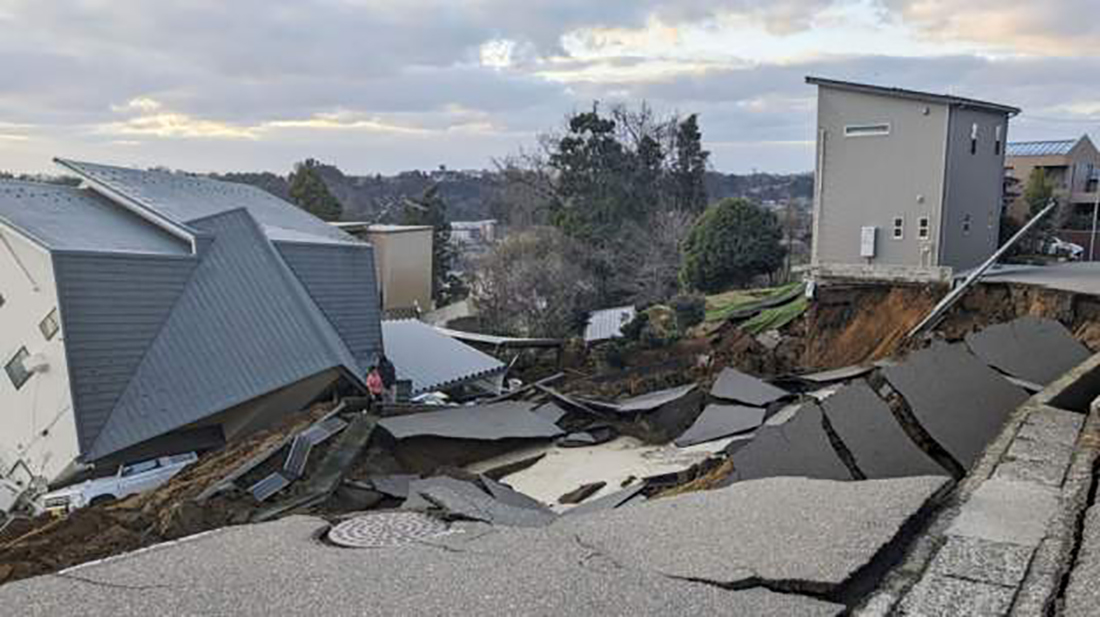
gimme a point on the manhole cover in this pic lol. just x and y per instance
(386, 529)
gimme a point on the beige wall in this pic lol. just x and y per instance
(869, 180)
(37, 422)
(403, 261)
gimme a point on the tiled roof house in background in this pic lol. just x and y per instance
(150, 312)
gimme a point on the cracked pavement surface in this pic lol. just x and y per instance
(659, 558)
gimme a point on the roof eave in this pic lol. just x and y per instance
(930, 97)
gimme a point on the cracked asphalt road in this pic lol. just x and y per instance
(610, 563)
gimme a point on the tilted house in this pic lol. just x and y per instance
(152, 312)
(908, 185)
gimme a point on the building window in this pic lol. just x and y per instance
(866, 130)
(974, 138)
(997, 141)
(966, 225)
(17, 372)
(899, 228)
(49, 325)
(924, 228)
(1, 299)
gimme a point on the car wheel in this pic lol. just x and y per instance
(99, 500)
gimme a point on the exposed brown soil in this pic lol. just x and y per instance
(48, 544)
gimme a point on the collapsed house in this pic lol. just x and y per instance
(147, 313)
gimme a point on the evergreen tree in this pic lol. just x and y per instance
(733, 242)
(431, 210)
(689, 168)
(309, 192)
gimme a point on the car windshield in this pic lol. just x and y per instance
(137, 468)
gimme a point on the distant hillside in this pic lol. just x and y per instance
(473, 195)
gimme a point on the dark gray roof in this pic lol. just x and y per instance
(431, 359)
(68, 218)
(1053, 147)
(183, 198)
(945, 99)
(507, 420)
(242, 327)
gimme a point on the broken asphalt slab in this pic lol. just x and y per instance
(645, 402)
(798, 447)
(514, 572)
(733, 385)
(1029, 348)
(869, 430)
(959, 401)
(507, 420)
(718, 421)
(796, 534)
(456, 499)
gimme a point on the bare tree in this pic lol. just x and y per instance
(534, 283)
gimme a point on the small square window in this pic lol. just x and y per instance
(899, 228)
(966, 225)
(16, 370)
(974, 138)
(49, 325)
(924, 228)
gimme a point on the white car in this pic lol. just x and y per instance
(1063, 248)
(130, 480)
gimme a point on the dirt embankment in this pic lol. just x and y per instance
(49, 544)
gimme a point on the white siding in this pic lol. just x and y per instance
(36, 420)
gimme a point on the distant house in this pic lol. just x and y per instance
(402, 261)
(474, 232)
(908, 184)
(1072, 166)
(152, 313)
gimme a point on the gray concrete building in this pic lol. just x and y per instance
(908, 184)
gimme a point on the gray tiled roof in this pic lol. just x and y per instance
(184, 198)
(1057, 147)
(431, 359)
(68, 218)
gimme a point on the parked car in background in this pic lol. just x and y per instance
(130, 479)
(1062, 248)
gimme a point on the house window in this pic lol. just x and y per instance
(974, 138)
(924, 228)
(899, 228)
(17, 372)
(866, 130)
(966, 225)
(49, 325)
(997, 141)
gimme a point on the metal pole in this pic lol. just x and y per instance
(953, 296)
(1092, 238)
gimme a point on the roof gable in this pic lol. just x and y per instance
(242, 328)
(72, 219)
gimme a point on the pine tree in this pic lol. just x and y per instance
(689, 169)
(431, 210)
(309, 192)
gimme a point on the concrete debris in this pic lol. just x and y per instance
(549, 412)
(956, 398)
(630, 494)
(396, 486)
(718, 421)
(1033, 349)
(455, 499)
(799, 447)
(733, 385)
(840, 374)
(645, 402)
(868, 429)
(509, 496)
(505, 420)
(581, 493)
(592, 436)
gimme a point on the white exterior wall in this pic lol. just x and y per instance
(37, 422)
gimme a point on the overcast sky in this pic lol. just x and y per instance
(388, 85)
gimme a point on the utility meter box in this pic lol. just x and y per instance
(867, 242)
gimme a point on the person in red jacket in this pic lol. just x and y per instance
(374, 384)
